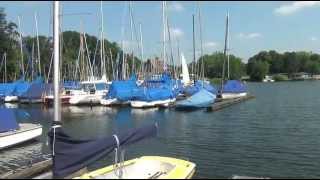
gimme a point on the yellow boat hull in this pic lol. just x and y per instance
(147, 167)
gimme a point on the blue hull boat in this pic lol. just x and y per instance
(201, 99)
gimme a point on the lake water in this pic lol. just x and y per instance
(275, 135)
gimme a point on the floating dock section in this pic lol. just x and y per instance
(220, 104)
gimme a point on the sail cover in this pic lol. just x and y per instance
(123, 90)
(71, 155)
(190, 90)
(8, 120)
(234, 86)
(201, 99)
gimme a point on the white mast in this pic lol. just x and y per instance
(21, 49)
(228, 39)
(132, 47)
(164, 35)
(56, 77)
(102, 53)
(141, 47)
(39, 62)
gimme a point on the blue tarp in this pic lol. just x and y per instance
(8, 120)
(154, 94)
(234, 86)
(35, 91)
(21, 88)
(8, 89)
(71, 155)
(190, 90)
(159, 88)
(123, 90)
(201, 99)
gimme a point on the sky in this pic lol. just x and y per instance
(254, 26)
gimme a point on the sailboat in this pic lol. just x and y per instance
(12, 133)
(158, 89)
(231, 88)
(201, 94)
(93, 90)
(70, 155)
(121, 90)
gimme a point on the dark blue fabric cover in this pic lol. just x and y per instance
(234, 86)
(8, 120)
(72, 155)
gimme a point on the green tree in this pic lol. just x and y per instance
(259, 70)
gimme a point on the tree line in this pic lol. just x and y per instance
(272, 62)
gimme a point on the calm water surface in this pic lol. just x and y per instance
(277, 134)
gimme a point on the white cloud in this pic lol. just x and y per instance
(176, 32)
(249, 35)
(295, 7)
(313, 38)
(175, 6)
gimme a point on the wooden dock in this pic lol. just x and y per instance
(220, 104)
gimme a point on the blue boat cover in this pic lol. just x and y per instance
(234, 86)
(123, 90)
(71, 155)
(35, 90)
(8, 89)
(154, 94)
(158, 88)
(8, 120)
(190, 90)
(201, 99)
(21, 88)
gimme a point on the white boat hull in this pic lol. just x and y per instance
(145, 104)
(233, 95)
(11, 99)
(86, 99)
(25, 133)
(114, 101)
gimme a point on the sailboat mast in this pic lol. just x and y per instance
(171, 51)
(38, 46)
(56, 77)
(141, 47)
(132, 49)
(227, 50)
(225, 53)
(194, 51)
(201, 46)
(164, 35)
(21, 49)
(102, 53)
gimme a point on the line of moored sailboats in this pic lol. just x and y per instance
(163, 88)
